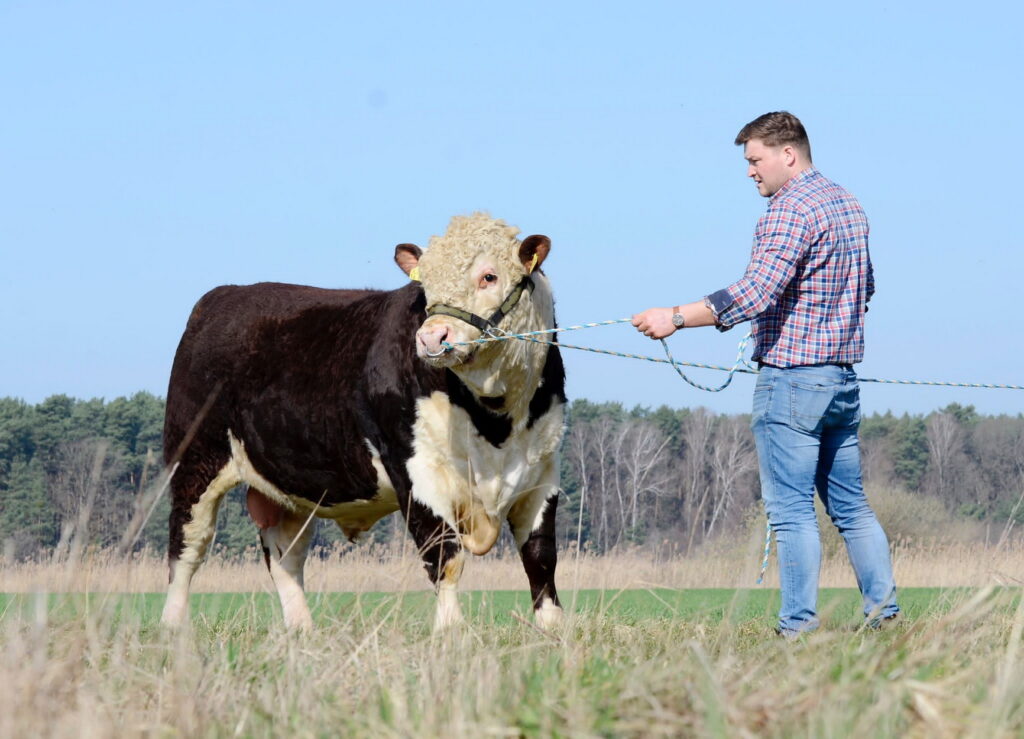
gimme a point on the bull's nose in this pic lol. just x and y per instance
(431, 339)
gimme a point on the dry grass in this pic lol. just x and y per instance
(947, 673)
(930, 547)
(368, 569)
(951, 671)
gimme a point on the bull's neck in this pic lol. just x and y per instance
(505, 381)
(504, 376)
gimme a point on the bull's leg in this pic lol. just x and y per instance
(532, 520)
(284, 548)
(438, 543)
(443, 559)
(285, 537)
(448, 613)
(191, 531)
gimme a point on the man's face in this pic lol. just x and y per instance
(770, 166)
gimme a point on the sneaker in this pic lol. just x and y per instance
(789, 634)
(881, 623)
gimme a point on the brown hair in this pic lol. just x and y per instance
(776, 129)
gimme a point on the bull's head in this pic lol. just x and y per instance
(475, 277)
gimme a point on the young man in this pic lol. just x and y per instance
(806, 291)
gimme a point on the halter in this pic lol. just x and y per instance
(486, 324)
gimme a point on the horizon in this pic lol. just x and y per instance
(630, 409)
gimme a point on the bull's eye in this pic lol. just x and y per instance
(488, 278)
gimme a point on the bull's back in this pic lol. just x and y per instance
(307, 381)
(222, 337)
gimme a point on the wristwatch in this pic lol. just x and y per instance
(677, 318)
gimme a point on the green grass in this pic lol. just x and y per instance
(840, 608)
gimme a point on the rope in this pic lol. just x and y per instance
(740, 365)
(767, 550)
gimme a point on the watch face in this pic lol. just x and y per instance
(677, 320)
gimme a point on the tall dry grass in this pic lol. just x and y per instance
(930, 548)
(361, 569)
(110, 671)
(379, 673)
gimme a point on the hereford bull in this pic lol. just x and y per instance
(351, 405)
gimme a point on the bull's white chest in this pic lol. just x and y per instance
(453, 466)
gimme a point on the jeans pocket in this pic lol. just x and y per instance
(850, 406)
(762, 400)
(808, 405)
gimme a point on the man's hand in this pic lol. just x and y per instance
(655, 322)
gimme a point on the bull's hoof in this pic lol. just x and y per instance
(448, 614)
(299, 624)
(549, 615)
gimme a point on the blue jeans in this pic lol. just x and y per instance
(805, 423)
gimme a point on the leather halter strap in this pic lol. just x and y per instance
(485, 324)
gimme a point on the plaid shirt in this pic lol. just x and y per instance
(809, 278)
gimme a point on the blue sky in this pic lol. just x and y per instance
(149, 152)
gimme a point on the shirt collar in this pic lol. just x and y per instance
(793, 181)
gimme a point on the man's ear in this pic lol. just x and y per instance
(533, 251)
(407, 256)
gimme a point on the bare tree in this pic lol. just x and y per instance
(85, 491)
(577, 451)
(875, 462)
(592, 455)
(732, 460)
(945, 444)
(697, 432)
(621, 466)
(642, 471)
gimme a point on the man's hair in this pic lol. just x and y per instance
(776, 129)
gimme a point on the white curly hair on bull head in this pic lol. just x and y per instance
(474, 268)
(449, 259)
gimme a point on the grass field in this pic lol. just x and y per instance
(628, 662)
(841, 607)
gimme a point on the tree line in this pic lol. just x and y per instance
(78, 473)
(682, 476)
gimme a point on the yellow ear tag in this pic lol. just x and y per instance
(533, 264)
(414, 274)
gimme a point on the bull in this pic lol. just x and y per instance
(353, 404)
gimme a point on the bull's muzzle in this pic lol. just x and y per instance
(430, 340)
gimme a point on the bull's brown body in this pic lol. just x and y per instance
(315, 399)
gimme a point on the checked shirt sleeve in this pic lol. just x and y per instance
(781, 241)
(871, 284)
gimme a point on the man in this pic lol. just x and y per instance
(806, 291)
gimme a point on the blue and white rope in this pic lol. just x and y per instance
(738, 366)
(767, 550)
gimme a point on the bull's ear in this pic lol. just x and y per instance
(407, 256)
(533, 251)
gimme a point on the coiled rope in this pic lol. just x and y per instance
(740, 365)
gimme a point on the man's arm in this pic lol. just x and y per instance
(657, 322)
(782, 240)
